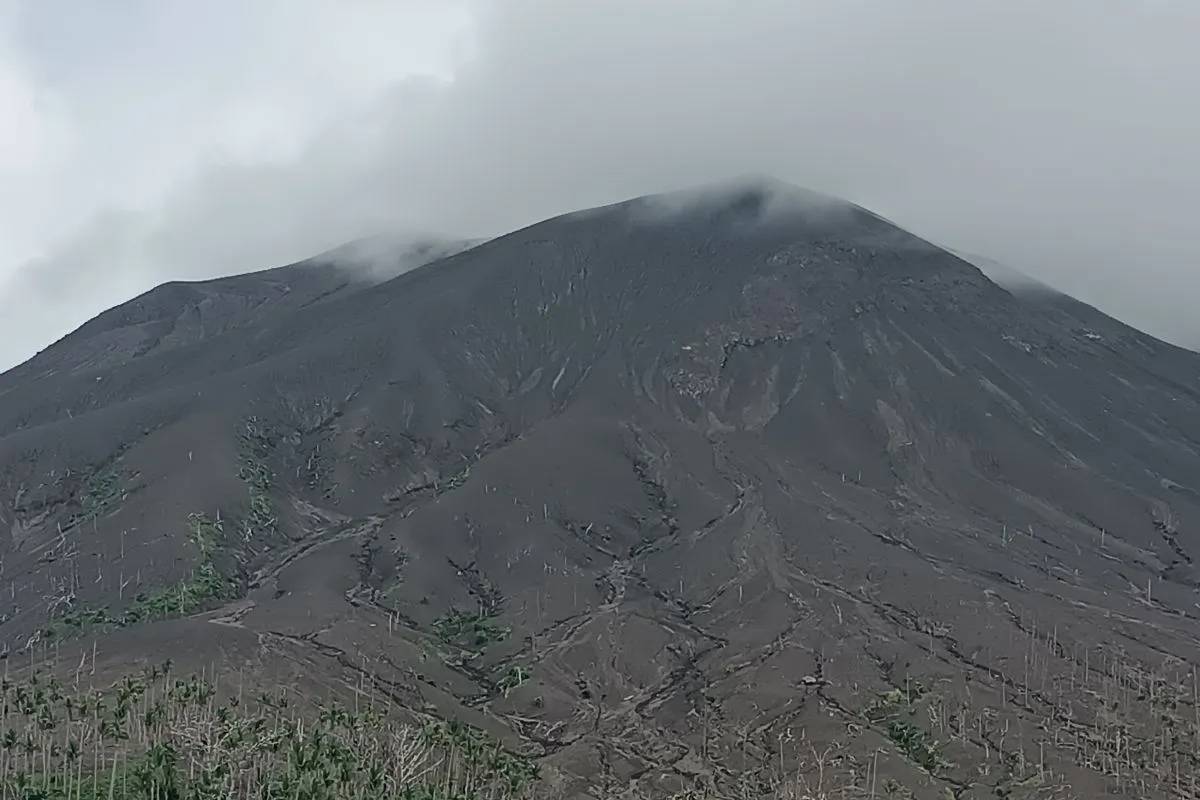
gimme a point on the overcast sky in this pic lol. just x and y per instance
(149, 140)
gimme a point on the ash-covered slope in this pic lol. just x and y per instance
(182, 313)
(689, 491)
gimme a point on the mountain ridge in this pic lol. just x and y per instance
(647, 491)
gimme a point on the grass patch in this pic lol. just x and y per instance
(255, 445)
(894, 702)
(203, 588)
(101, 494)
(894, 711)
(474, 631)
(916, 745)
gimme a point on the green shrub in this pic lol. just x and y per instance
(153, 737)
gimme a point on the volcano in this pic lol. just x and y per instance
(701, 489)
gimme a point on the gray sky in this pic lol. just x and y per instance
(149, 140)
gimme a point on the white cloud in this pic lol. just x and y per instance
(23, 131)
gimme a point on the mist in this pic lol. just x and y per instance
(1046, 136)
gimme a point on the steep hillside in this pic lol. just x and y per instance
(706, 492)
(181, 313)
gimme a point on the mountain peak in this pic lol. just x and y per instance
(652, 485)
(755, 194)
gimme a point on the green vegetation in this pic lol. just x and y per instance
(895, 701)
(100, 494)
(255, 445)
(894, 710)
(157, 738)
(916, 745)
(513, 678)
(205, 586)
(469, 631)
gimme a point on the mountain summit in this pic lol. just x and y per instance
(695, 491)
